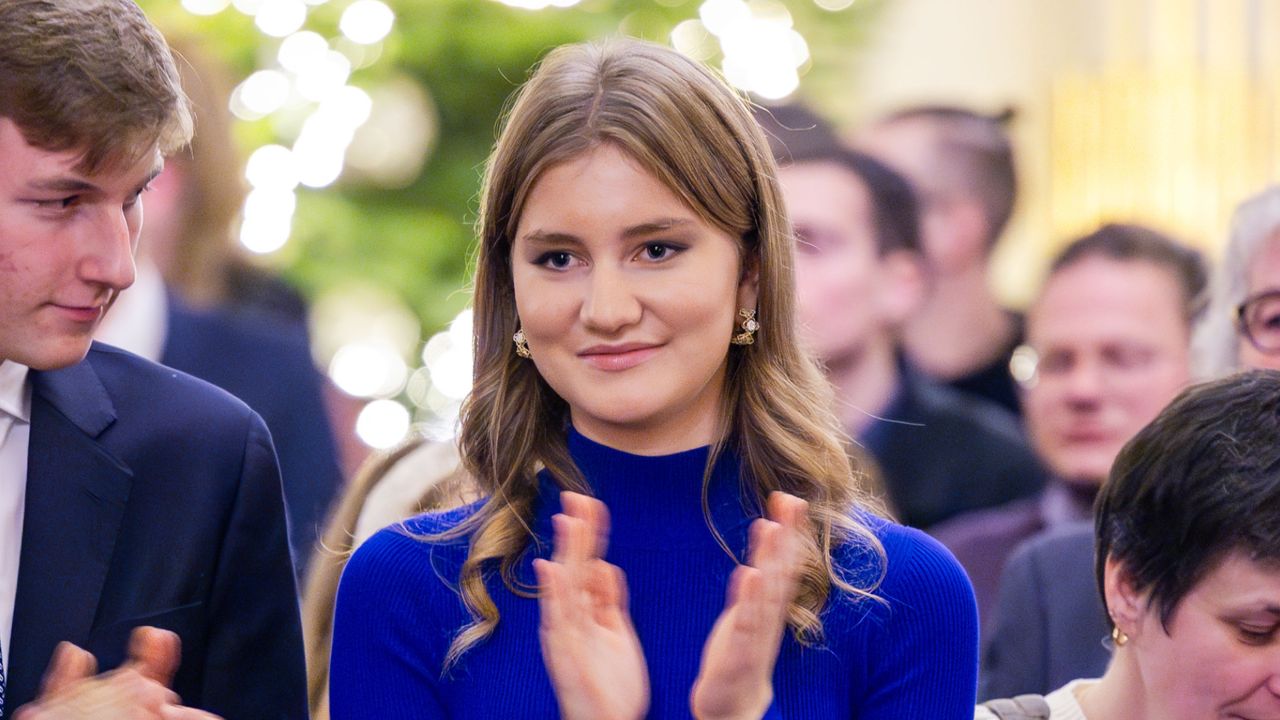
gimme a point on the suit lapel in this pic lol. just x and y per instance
(76, 497)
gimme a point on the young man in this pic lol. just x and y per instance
(859, 277)
(131, 496)
(962, 166)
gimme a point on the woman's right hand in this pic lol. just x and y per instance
(589, 644)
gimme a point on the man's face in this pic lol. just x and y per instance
(66, 248)
(1263, 310)
(953, 225)
(1113, 351)
(841, 283)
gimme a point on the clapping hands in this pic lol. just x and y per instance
(137, 690)
(589, 644)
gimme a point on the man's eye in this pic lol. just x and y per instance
(133, 199)
(58, 203)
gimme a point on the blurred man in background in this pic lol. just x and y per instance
(961, 164)
(1108, 346)
(859, 277)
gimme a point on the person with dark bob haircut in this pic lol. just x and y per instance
(1188, 564)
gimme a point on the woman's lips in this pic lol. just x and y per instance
(622, 357)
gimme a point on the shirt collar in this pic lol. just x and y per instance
(15, 394)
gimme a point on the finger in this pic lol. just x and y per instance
(155, 653)
(70, 664)
(594, 514)
(178, 712)
(550, 593)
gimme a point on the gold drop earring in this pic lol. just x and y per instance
(749, 326)
(522, 345)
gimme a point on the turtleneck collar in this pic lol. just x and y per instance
(656, 500)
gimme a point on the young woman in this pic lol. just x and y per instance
(1188, 562)
(640, 407)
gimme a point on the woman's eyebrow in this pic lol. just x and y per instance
(650, 227)
(654, 226)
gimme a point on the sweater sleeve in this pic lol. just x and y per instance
(385, 662)
(923, 654)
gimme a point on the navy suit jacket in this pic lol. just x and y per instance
(268, 365)
(154, 499)
(1049, 625)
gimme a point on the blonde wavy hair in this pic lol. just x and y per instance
(696, 136)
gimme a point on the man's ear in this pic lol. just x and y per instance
(902, 286)
(1125, 604)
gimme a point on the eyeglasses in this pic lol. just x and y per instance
(1258, 320)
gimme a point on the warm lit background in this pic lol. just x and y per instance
(365, 124)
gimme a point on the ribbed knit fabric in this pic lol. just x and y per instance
(914, 656)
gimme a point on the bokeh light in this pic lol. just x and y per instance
(279, 18)
(261, 94)
(205, 7)
(268, 219)
(366, 21)
(382, 424)
(368, 370)
(302, 50)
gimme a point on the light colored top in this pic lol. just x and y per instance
(15, 438)
(1064, 703)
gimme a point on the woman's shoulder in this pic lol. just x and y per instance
(904, 557)
(907, 571)
(431, 546)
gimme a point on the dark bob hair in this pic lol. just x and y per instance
(1200, 482)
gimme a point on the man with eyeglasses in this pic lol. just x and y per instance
(1242, 326)
(1108, 346)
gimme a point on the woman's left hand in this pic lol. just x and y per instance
(736, 677)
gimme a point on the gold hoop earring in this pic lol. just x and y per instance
(522, 345)
(1118, 637)
(749, 327)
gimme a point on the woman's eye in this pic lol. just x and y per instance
(556, 260)
(1257, 635)
(659, 251)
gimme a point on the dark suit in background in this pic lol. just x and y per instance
(267, 363)
(154, 499)
(1049, 624)
(942, 452)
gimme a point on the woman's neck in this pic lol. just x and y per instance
(1119, 694)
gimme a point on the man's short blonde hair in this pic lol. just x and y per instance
(93, 76)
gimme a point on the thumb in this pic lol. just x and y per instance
(70, 664)
(155, 653)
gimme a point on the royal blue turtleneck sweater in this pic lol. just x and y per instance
(910, 655)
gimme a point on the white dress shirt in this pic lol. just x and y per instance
(15, 437)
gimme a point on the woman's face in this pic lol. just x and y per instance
(1221, 656)
(628, 301)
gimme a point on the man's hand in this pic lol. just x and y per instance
(137, 690)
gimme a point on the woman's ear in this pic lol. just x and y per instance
(1125, 604)
(749, 285)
